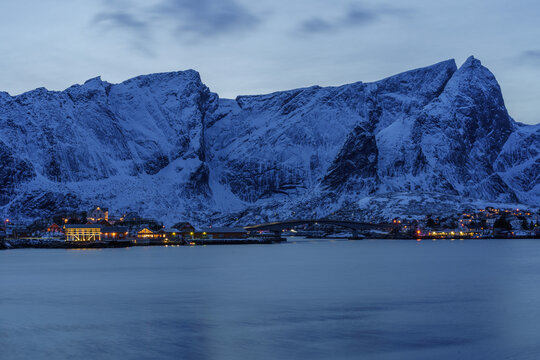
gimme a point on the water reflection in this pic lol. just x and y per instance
(308, 299)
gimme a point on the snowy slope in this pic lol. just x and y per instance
(165, 146)
(102, 143)
(518, 163)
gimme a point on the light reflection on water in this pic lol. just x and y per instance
(308, 299)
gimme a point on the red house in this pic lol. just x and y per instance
(54, 229)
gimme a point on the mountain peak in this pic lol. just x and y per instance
(186, 75)
(92, 80)
(476, 80)
(472, 62)
(447, 66)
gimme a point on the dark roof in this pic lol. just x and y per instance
(118, 229)
(223, 230)
(181, 225)
(132, 216)
(80, 226)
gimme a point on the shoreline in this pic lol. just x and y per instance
(13, 244)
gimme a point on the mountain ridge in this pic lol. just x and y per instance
(164, 145)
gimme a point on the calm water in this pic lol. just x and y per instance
(304, 300)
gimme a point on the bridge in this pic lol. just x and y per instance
(278, 226)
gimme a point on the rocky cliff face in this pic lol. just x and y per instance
(165, 146)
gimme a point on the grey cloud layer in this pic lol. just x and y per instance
(187, 18)
(531, 57)
(355, 16)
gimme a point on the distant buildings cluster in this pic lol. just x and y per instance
(481, 223)
(97, 225)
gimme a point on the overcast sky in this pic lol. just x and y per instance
(252, 47)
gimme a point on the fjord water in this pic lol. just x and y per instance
(307, 299)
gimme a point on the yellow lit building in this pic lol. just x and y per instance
(114, 232)
(149, 234)
(98, 214)
(83, 232)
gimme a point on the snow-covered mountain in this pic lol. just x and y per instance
(165, 146)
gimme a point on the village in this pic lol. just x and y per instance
(481, 223)
(96, 228)
(86, 229)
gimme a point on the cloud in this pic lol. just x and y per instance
(359, 17)
(138, 31)
(205, 17)
(316, 25)
(184, 19)
(124, 20)
(355, 16)
(530, 57)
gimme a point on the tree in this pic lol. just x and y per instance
(524, 225)
(84, 219)
(502, 223)
(475, 225)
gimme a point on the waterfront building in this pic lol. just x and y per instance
(98, 214)
(171, 234)
(219, 233)
(450, 233)
(54, 229)
(17, 231)
(146, 233)
(82, 232)
(184, 228)
(114, 232)
(104, 223)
